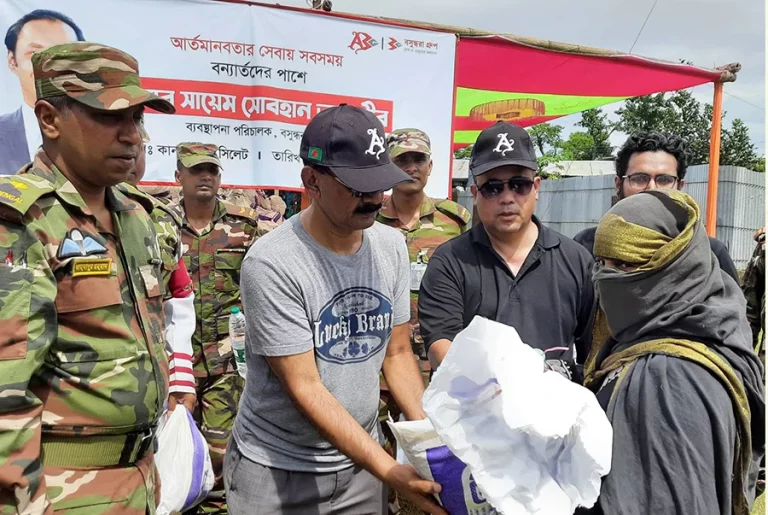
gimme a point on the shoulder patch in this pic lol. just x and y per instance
(143, 197)
(454, 210)
(240, 211)
(20, 192)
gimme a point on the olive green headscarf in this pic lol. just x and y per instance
(679, 303)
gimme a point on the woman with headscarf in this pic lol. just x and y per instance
(678, 377)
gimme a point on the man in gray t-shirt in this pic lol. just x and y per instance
(326, 298)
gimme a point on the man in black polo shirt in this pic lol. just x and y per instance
(509, 268)
(651, 160)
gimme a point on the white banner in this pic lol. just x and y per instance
(247, 78)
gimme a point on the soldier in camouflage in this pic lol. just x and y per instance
(83, 369)
(753, 284)
(179, 301)
(425, 222)
(215, 237)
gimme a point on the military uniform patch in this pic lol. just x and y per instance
(87, 267)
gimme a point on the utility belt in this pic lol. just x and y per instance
(97, 451)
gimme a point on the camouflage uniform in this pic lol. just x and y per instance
(753, 284)
(439, 221)
(178, 284)
(83, 372)
(213, 257)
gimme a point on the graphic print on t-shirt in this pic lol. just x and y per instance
(353, 326)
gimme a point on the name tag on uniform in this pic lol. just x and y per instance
(417, 273)
(89, 267)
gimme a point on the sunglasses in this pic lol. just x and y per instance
(641, 180)
(355, 193)
(495, 187)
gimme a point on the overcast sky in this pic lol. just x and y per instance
(707, 32)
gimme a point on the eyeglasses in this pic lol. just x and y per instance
(641, 180)
(495, 187)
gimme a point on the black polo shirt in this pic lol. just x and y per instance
(587, 239)
(549, 302)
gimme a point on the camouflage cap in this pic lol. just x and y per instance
(408, 140)
(98, 76)
(192, 154)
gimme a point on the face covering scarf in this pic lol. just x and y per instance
(677, 302)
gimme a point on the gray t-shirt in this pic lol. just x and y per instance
(299, 296)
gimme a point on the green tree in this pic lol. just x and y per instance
(578, 147)
(736, 147)
(546, 137)
(677, 113)
(681, 114)
(597, 126)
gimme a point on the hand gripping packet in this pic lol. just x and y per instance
(432, 459)
(183, 462)
(535, 442)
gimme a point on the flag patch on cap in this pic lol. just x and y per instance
(315, 153)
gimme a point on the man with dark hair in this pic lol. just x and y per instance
(510, 267)
(83, 368)
(33, 32)
(649, 161)
(330, 292)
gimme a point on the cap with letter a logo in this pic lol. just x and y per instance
(502, 144)
(350, 141)
(95, 75)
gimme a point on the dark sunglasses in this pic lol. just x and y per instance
(641, 180)
(495, 187)
(355, 193)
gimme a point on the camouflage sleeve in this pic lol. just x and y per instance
(753, 285)
(254, 232)
(29, 325)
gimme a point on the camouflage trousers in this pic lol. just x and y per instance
(217, 401)
(131, 490)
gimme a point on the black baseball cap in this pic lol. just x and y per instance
(502, 144)
(350, 141)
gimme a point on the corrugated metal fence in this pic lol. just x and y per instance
(570, 205)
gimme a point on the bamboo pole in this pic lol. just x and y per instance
(714, 159)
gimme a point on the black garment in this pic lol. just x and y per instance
(674, 429)
(549, 302)
(587, 239)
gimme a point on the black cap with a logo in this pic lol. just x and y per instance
(502, 144)
(350, 141)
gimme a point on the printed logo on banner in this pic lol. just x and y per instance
(353, 327)
(364, 41)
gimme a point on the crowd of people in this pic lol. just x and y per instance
(115, 307)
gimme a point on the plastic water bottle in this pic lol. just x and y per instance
(237, 335)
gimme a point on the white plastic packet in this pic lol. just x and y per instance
(432, 459)
(183, 461)
(535, 442)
